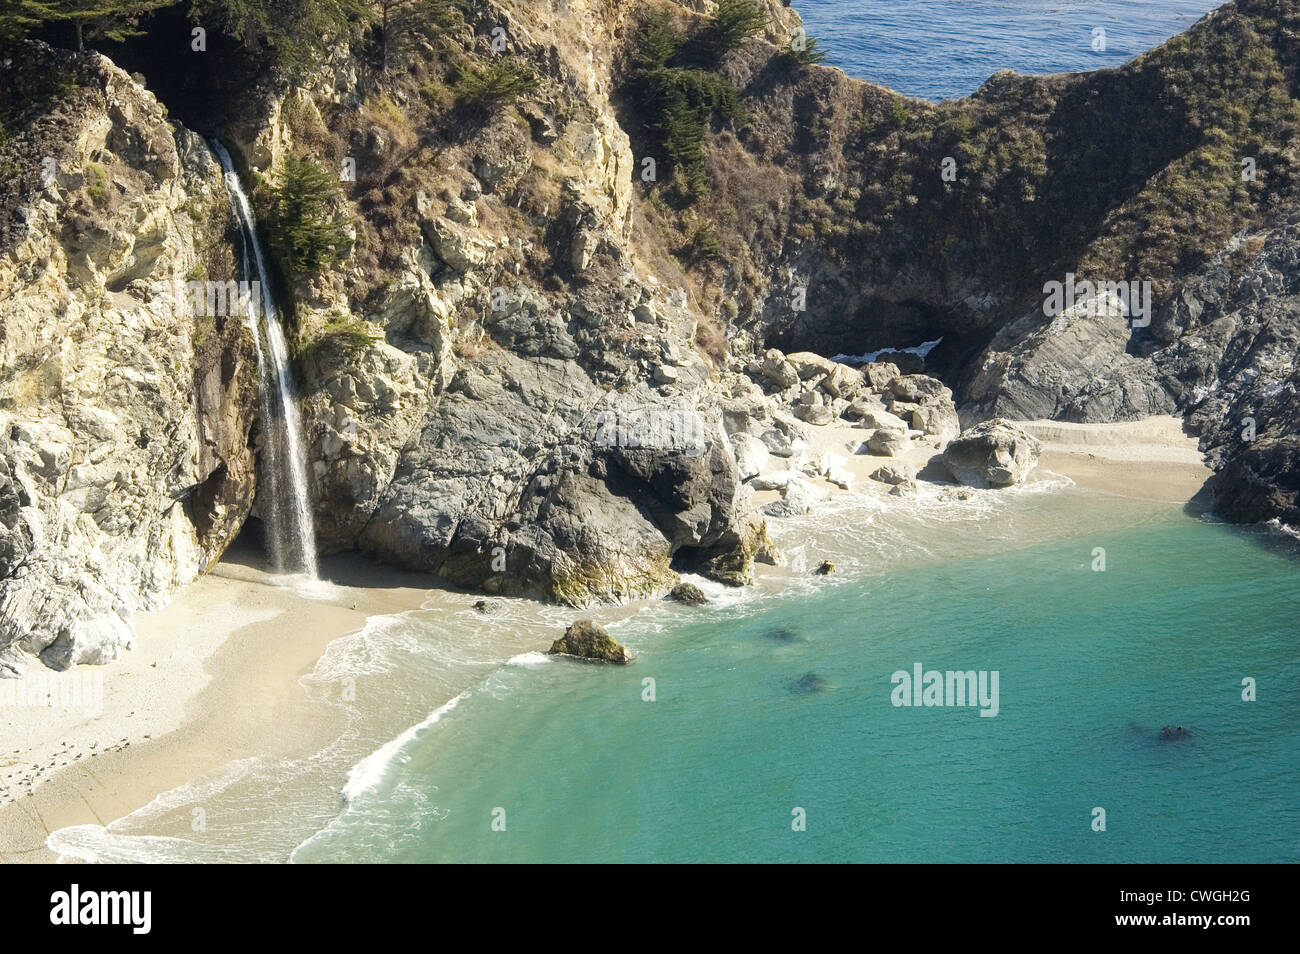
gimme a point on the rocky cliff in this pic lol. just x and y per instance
(125, 459)
(545, 368)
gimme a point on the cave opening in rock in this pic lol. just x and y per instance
(202, 88)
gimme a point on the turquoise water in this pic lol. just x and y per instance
(938, 49)
(759, 713)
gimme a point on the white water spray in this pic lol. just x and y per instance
(287, 506)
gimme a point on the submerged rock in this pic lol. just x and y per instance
(995, 453)
(808, 682)
(1173, 733)
(590, 640)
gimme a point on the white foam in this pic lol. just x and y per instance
(922, 351)
(528, 660)
(366, 775)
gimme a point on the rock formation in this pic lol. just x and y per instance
(590, 640)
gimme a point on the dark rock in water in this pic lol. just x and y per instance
(1172, 734)
(808, 682)
(590, 640)
(826, 568)
(487, 606)
(688, 593)
(786, 634)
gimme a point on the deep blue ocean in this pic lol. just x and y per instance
(940, 49)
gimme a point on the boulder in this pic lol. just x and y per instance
(881, 418)
(778, 371)
(840, 477)
(752, 455)
(996, 453)
(590, 640)
(798, 497)
(688, 593)
(937, 417)
(897, 472)
(889, 441)
(878, 374)
(818, 415)
(917, 388)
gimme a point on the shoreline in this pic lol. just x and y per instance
(224, 660)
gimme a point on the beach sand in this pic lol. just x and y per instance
(214, 669)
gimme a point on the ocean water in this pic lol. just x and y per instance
(939, 49)
(760, 710)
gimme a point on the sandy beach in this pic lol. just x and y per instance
(211, 672)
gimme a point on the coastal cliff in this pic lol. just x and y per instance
(125, 461)
(544, 366)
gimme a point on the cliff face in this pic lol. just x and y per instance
(523, 410)
(534, 372)
(125, 464)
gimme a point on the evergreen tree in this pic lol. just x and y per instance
(732, 23)
(299, 31)
(305, 235)
(105, 19)
(399, 22)
(19, 16)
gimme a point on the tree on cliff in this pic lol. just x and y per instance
(107, 19)
(398, 23)
(19, 16)
(305, 235)
(299, 31)
(731, 24)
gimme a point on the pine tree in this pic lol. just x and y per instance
(398, 22)
(732, 23)
(105, 19)
(304, 235)
(19, 16)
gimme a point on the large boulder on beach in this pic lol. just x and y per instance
(917, 388)
(995, 453)
(895, 472)
(797, 498)
(883, 419)
(938, 418)
(590, 640)
(888, 441)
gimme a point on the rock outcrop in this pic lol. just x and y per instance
(589, 640)
(125, 416)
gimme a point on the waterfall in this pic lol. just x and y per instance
(286, 509)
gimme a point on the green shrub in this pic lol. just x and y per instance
(305, 236)
(503, 80)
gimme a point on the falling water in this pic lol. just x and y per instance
(287, 508)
